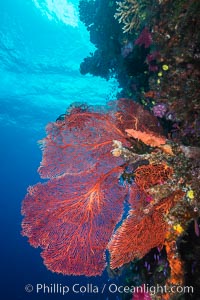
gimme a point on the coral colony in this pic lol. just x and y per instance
(140, 152)
(82, 202)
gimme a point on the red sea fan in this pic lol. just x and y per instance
(138, 234)
(73, 216)
(128, 114)
(84, 139)
(141, 231)
(150, 175)
(78, 144)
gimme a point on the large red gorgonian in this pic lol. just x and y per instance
(72, 216)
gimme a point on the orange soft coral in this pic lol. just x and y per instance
(151, 139)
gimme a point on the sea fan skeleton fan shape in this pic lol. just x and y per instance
(73, 227)
(73, 215)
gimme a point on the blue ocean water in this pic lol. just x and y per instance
(42, 44)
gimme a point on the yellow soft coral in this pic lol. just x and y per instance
(178, 228)
(190, 194)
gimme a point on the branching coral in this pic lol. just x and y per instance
(131, 13)
(128, 14)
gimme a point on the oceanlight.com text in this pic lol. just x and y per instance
(162, 289)
(112, 288)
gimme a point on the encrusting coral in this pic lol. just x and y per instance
(155, 59)
(168, 182)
